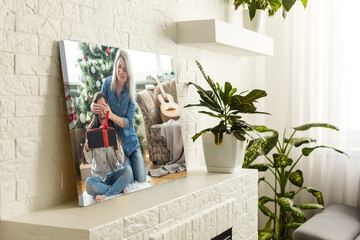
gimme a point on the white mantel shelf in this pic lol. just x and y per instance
(230, 200)
(222, 37)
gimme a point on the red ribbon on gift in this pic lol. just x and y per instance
(104, 130)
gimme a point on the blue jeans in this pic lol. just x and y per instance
(115, 182)
(137, 164)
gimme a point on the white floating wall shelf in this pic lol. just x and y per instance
(222, 37)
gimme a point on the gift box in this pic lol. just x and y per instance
(102, 137)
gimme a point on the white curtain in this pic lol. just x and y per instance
(314, 76)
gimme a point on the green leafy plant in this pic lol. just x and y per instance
(289, 216)
(226, 106)
(271, 5)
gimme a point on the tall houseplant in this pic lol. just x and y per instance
(224, 104)
(289, 216)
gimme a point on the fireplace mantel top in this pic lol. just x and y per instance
(70, 216)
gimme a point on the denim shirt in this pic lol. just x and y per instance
(123, 107)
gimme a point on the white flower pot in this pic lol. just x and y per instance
(256, 24)
(225, 157)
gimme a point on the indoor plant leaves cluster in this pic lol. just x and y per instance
(226, 105)
(271, 5)
(289, 216)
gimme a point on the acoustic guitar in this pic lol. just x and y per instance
(168, 108)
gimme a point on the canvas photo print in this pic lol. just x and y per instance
(124, 119)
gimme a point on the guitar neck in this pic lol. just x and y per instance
(161, 87)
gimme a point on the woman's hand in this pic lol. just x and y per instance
(96, 108)
(105, 107)
(113, 117)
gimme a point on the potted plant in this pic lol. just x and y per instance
(272, 6)
(224, 143)
(286, 215)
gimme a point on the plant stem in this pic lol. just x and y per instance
(272, 163)
(292, 167)
(283, 183)
(269, 185)
(289, 140)
(282, 218)
(289, 150)
(226, 113)
(274, 174)
(277, 148)
(282, 148)
(299, 190)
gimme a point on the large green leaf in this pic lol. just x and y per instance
(208, 94)
(281, 160)
(232, 92)
(210, 114)
(298, 215)
(269, 143)
(312, 125)
(293, 225)
(288, 4)
(275, 4)
(218, 132)
(208, 79)
(238, 103)
(265, 235)
(219, 90)
(252, 10)
(263, 129)
(261, 167)
(296, 178)
(288, 205)
(208, 99)
(311, 206)
(201, 91)
(227, 90)
(254, 95)
(307, 151)
(244, 104)
(285, 203)
(239, 125)
(253, 150)
(317, 194)
(259, 147)
(297, 142)
(239, 134)
(266, 211)
(268, 225)
(200, 133)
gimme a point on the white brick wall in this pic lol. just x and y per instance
(36, 170)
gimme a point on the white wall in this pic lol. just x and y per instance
(36, 168)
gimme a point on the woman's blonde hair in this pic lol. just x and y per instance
(130, 83)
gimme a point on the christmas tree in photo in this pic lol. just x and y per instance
(96, 65)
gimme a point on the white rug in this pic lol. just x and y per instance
(85, 199)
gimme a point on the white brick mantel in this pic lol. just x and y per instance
(200, 206)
